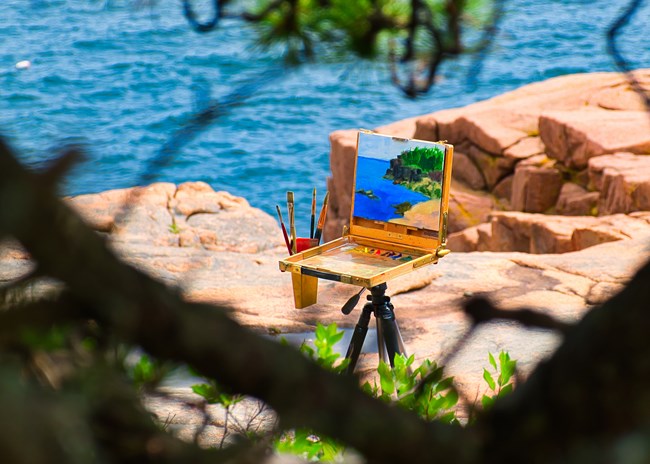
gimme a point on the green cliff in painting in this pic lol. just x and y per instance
(418, 169)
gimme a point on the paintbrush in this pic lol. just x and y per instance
(284, 229)
(321, 218)
(292, 221)
(313, 213)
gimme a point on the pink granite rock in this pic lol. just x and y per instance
(343, 146)
(621, 96)
(190, 215)
(468, 209)
(576, 201)
(467, 172)
(428, 302)
(545, 234)
(476, 238)
(503, 189)
(99, 209)
(535, 189)
(525, 148)
(493, 168)
(573, 137)
(623, 180)
(573, 118)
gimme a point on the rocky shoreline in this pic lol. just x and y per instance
(518, 156)
(573, 148)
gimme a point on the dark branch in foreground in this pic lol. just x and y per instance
(587, 403)
(144, 312)
(481, 310)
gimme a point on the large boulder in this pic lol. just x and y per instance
(191, 215)
(535, 187)
(575, 200)
(573, 137)
(623, 180)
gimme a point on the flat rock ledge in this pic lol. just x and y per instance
(216, 248)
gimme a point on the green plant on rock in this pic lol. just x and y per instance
(147, 373)
(324, 355)
(213, 393)
(504, 372)
(424, 390)
(302, 442)
(174, 229)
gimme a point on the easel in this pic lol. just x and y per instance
(389, 338)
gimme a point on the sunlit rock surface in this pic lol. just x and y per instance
(573, 145)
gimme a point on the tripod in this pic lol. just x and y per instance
(389, 339)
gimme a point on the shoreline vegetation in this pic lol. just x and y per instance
(420, 170)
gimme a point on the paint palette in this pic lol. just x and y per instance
(398, 221)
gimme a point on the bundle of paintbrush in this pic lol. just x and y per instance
(296, 244)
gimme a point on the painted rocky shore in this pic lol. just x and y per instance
(558, 169)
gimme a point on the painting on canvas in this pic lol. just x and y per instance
(399, 180)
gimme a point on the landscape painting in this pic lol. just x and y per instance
(399, 180)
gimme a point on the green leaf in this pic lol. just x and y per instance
(506, 390)
(507, 371)
(207, 392)
(488, 378)
(444, 384)
(487, 401)
(451, 399)
(400, 361)
(321, 332)
(307, 350)
(386, 378)
(492, 361)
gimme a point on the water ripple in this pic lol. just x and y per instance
(126, 79)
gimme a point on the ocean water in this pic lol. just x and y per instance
(121, 76)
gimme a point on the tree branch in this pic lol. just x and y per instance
(481, 310)
(144, 312)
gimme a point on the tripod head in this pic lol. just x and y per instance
(377, 297)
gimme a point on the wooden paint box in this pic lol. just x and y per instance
(398, 222)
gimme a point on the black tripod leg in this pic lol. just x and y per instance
(358, 337)
(390, 332)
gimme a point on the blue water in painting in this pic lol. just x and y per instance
(370, 173)
(122, 75)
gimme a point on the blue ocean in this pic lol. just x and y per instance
(380, 205)
(123, 77)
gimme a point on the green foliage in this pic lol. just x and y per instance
(147, 373)
(213, 393)
(424, 158)
(500, 381)
(426, 187)
(324, 355)
(303, 442)
(366, 28)
(424, 390)
(309, 446)
(53, 339)
(174, 229)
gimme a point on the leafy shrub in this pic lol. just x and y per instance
(504, 373)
